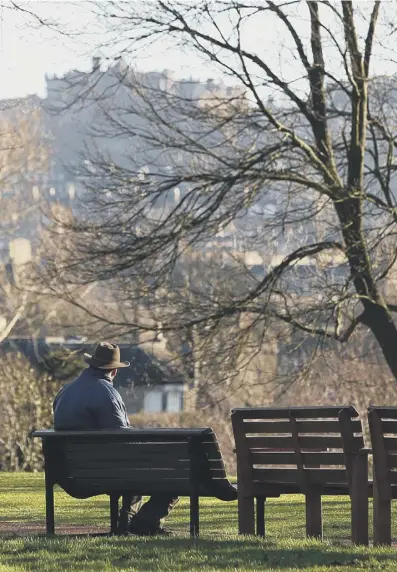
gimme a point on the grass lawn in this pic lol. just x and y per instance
(218, 549)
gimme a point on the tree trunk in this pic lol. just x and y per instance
(376, 314)
(380, 322)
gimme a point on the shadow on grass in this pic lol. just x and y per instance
(82, 553)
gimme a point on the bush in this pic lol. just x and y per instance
(25, 405)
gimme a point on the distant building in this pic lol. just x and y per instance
(149, 385)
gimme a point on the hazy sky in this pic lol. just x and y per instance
(29, 51)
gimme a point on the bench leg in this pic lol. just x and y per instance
(260, 516)
(194, 515)
(359, 500)
(49, 505)
(246, 515)
(114, 513)
(314, 515)
(382, 519)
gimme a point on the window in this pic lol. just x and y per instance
(153, 401)
(173, 402)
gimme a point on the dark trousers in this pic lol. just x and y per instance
(147, 517)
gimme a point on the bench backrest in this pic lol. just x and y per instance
(303, 446)
(142, 461)
(383, 430)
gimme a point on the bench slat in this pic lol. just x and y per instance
(390, 443)
(124, 484)
(389, 427)
(273, 457)
(118, 446)
(127, 459)
(289, 458)
(385, 412)
(134, 474)
(126, 463)
(277, 489)
(178, 434)
(136, 449)
(324, 458)
(299, 412)
(177, 487)
(129, 473)
(313, 476)
(79, 466)
(393, 477)
(306, 442)
(140, 462)
(318, 426)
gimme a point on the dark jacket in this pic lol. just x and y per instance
(89, 402)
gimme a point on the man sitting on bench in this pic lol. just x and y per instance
(91, 402)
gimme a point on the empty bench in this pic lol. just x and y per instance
(310, 450)
(179, 462)
(383, 429)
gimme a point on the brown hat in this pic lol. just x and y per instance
(106, 356)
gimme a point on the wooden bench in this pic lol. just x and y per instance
(178, 462)
(383, 430)
(311, 450)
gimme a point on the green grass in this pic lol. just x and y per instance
(219, 548)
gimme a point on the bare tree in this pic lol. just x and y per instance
(23, 157)
(298, 163)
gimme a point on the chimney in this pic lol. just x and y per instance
(210, 84)
(96, 64)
